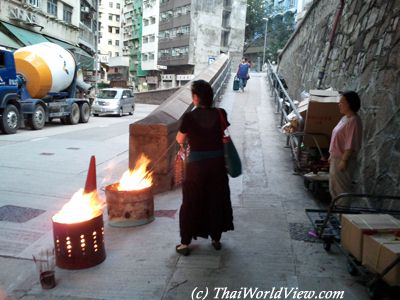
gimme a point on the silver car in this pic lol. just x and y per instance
(114, 101)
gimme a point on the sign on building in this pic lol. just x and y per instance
(185, 77)
(161, 67)
(211, 59)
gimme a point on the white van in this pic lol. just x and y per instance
(114, 101)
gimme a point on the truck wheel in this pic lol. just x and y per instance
(85, 113)
(120, 113)
(10, 119)
(75, 114)
(38, 118)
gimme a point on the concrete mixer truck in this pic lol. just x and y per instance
(39, 83)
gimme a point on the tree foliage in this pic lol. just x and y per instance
(280, 26)
(254, 19)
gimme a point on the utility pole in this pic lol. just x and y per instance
(265, 40)
(96, 47)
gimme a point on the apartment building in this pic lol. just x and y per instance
(69, 23)
(111, 35)
(170, 41)
(193, 33)
(132, 36)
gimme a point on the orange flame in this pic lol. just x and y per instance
(81, 207)
(138, 178)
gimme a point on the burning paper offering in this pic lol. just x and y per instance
(137, 179)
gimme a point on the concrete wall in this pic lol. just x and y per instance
(154, 97)
(205, 33)
(238, 25)
(206, 29)
(365, 58)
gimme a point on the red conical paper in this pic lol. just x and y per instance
(91, 184)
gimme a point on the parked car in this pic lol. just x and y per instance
(114, 101)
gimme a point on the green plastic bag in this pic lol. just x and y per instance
(232, 160)
(233, 163)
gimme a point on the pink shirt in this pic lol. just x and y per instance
(346, 136)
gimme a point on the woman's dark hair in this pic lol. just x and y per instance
(204, 91)
(353, 99)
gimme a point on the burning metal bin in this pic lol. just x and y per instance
(129, 208)
(79, 245)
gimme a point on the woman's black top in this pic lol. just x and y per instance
(203, 129)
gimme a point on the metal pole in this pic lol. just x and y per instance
(265, 40)
(96, 47)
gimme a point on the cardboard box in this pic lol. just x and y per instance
(320, 114)
(355, 226)
(379, 251)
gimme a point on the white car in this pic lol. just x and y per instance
(114, 101)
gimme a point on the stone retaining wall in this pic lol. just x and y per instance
(365, 58)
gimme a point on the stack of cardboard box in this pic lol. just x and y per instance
(374, 240)
(320, 114)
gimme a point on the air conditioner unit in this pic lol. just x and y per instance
(85, 9)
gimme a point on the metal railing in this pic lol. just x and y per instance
(283, 103)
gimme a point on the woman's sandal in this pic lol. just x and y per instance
(216, 244)
(183, 251)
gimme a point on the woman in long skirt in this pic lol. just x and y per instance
(206, 208)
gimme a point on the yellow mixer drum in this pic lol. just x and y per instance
(46, 67)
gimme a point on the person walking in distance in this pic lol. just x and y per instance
(344, 146)
(206, 208)
(243, 73)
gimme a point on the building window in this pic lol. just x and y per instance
(110, 29)
(116, 30)
(116, 42)
(118, 6)
(34, 2)
(116, 53)
(67, 13)
(110, 42)
(110, 4)
(116, 70)
(178, 12)
(117, 18)
(109, 53)
(110, 17)
(52, 7)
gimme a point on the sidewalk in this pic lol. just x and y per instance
(261, 253)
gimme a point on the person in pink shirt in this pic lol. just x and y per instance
(344, 147)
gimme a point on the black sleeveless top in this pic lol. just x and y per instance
(203, 129)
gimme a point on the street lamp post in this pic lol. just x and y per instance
(265, 39)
